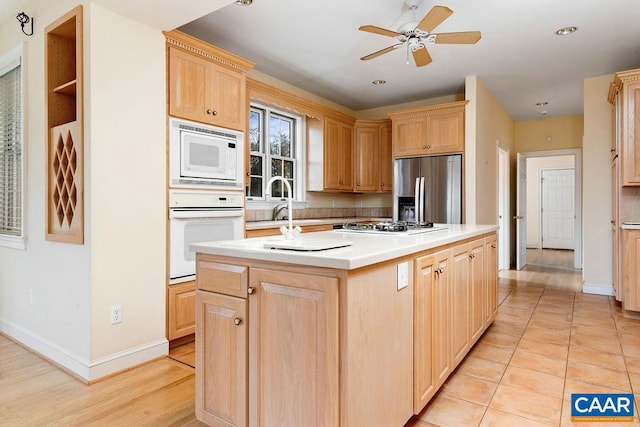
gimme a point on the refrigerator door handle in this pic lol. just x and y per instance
(417, 199)
(422, 200)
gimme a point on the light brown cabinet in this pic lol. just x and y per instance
(65, 147)
(429, 130)
(338, 156)
(206, 84)
(630, 273)
(373, 161)
(275, 231)
(455, 301)
(625, 96)
(181, 319)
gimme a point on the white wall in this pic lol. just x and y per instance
(534, 174)
(123, 259)
(596, 200)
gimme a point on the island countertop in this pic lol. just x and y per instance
(366, 249)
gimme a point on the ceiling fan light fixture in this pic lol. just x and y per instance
(379, 82)
(566, 30)
(542, 103)
(243, 2)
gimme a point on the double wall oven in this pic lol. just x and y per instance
(206, 201)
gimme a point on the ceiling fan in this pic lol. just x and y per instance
(415, 35)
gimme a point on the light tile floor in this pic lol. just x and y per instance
(546, 343)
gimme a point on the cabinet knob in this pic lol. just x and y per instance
(493, 245)
(209, 111)
(382, 184)
(424, 147)
(472, 255)
(251, 290)
(358, 185)
(428, 147)
(215, 113)
(237, 321)
(440, 270)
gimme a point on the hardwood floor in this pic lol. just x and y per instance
(185, 353)
(547, 342)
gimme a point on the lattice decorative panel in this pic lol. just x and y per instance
(65, 205)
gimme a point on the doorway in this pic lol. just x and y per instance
(562, 224)
(504, 259)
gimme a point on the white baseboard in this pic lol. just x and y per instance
(598, 288)
(88, 370)
(535, 245)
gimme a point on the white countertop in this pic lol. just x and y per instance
(257, 225)
(366, 249)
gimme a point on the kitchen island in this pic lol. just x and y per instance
(363, 334)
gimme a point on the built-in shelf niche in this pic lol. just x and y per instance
(64, 103)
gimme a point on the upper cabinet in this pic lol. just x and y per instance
(206, 84)
(429, 130)
(624, 94)
(338, 157)
(373, 162)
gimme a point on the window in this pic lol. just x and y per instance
(275, 146)
(11, 150)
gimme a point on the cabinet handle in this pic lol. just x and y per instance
(237, 321)
(440, 270)
(472, 256)
(613, 150)
(493, 245)
(251, 290)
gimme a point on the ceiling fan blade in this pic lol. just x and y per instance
(466, 37)
(381, 52)
(421, 56)
(434, 17)
(379, 30)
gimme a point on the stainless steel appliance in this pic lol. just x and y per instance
(402, 228)
(428, 189)
(202, 156)
(200, 217)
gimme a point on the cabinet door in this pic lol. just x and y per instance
(491, 279)
(228, 103)
(338, 155)
(189, 77)
(367, 157)
(630, 273)
(431, 327)
(477, 286)
(409, 137)
(294, 368)
(445, 133)
(460, 322)
(386, 159)
(631, 135)
(182, 310)
(221, 359)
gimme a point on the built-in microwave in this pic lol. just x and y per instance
(202, 156)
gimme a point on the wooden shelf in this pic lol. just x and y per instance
(68, 88)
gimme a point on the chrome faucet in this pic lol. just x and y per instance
(277, 210)
(289, 233)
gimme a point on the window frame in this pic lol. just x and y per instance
(7, 63)
(299, 157)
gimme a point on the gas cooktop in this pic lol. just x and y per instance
(395, 228)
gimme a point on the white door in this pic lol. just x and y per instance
(521, 210)
(503, 209)
(558, 210)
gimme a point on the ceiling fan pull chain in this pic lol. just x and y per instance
(407, 53)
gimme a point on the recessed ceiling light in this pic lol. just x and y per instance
(243, 2)
(566, 30)
(544, 112)
(379, 82)
(540, 104)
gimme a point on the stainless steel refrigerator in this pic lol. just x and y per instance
(428, 189)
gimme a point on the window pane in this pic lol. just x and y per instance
(276, 189)
(255, 188)
(293, 189)
(276, 167)
(256, 165)
(255, 118)
(288, 169)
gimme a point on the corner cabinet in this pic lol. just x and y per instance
(373, 161)
(65, 148)
(427, 131)
(624, 94)
(206, 84)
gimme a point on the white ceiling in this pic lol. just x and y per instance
(316, 45)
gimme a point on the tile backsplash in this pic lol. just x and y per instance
(312, 213)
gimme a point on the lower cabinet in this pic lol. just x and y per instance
(181, 313)
(630, 271)
(455, 301)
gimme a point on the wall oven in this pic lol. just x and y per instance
(202, 156)
(200, 217)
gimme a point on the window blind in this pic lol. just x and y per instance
(10, 152)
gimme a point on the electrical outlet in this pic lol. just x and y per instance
(403, 275)
(116, 314)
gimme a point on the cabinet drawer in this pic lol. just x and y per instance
(222, 278)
